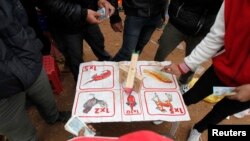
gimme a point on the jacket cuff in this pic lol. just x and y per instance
(184, 68)
(84, 13)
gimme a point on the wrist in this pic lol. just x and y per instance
(183, 68)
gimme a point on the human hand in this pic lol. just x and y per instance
(108, 7)
(242, 93)
(81, 132)
(173, 69)
(117, 27)
(93, 17)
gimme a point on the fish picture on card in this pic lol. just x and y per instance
(223, 91)
(155, 78)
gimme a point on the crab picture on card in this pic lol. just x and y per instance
(97, 77)
(154, 78)
(164, 103)
(95, 103)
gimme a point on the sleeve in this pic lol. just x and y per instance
(115, 18)
(8, 26)
(67, 11)
(210, 45)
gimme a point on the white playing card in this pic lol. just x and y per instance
(102, 11)
(74, 125)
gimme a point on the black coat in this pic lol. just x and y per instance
(144, 8)
(20, 55)
(193, 17)
(70, 15)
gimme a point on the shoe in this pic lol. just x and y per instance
(184, 88)
(194, 135)
(64, 116)
(157, 122)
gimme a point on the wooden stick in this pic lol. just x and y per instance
(129, 84)
(123, 73)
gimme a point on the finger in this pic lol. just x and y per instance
(81, 132)
(91, 127)
(112, 11)
(107, 11)
(167, 68)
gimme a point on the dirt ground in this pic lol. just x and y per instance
(113, 42)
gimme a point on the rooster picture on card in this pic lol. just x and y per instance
(75, 124)
(223, 91)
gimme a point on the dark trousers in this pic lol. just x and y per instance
(71, 46)
(93, 36)
(15, 123)
(137, 32)
(204, 87)
(169, 40)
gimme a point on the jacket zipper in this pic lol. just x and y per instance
(179, 8)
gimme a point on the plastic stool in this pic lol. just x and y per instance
(53, 73)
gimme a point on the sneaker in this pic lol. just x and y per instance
(194, 135)
(184, 88)
(157, 122)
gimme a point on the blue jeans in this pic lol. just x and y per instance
(137, 32)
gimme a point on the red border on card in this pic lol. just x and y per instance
(182, 103)
(175, 83)
(112, 73)
(95, 91)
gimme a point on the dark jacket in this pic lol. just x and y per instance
(193, 17)
(70, 15)
(20, 57)
(144, 8)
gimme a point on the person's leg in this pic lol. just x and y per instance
(132, 30)
(220, 111)
(94, 37)
(191, 43)
(41, 95)
(202, 88)
(15, 122)
(147, 30)
(71, 45)
(168, 41)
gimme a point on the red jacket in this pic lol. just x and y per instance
(143, 135)
(233, 66)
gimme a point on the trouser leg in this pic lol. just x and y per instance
(220, 111)
(168, 41)
(41, 95)
(15, 123)
(202, 88)
(146, 32)
(71, 45)
(94, 37)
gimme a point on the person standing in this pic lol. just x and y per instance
(230, 65)
(73, 20)
(22, 76)
(142, 18)
(189, 21)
